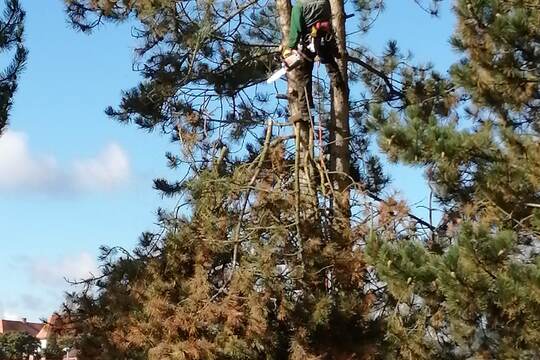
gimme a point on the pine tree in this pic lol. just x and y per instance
(254, 265)
(11, 39)
(266, 256)
(470, 289)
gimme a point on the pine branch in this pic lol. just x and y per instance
(391, 89)
(257, 170)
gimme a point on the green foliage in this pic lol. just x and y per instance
(210, 296)
(55, 348)
(17, 346)
(255, 263)
(479, 298)
(500, 39)
(471, 286)
(203, 63)
(11, 39)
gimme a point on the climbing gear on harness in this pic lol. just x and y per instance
(320, 27)
(320, 36)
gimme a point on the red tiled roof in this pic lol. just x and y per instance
(44, 333)
(53, 324)
(22, 326)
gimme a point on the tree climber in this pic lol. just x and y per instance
(311, 36)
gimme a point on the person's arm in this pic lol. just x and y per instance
(296, 26)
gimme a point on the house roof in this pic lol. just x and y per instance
(44, 333)
(48, 327)
(7, 326)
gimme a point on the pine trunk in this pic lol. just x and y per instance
(339, 127)
(303, 131)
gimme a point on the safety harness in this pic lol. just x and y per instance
(320, 35)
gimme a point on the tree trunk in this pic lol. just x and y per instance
(303, 131)
(284, 11)
(339, 129)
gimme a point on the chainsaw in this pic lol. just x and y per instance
(289, 63)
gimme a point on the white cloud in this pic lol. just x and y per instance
(108, 170)
(7, 311)
(16, 307)
(21, 170)
(8, 314)
(55, 272)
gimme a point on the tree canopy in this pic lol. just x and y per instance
(17, 346)
(284, 245)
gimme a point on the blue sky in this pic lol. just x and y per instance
(71, 179)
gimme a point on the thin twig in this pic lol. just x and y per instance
(262, 158)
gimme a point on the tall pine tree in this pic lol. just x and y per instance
(266, 255)
(254, 265)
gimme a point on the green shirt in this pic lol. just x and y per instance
(304, 14)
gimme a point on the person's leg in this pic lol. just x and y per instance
(334, 74)
(304, 85)
(328, 53)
